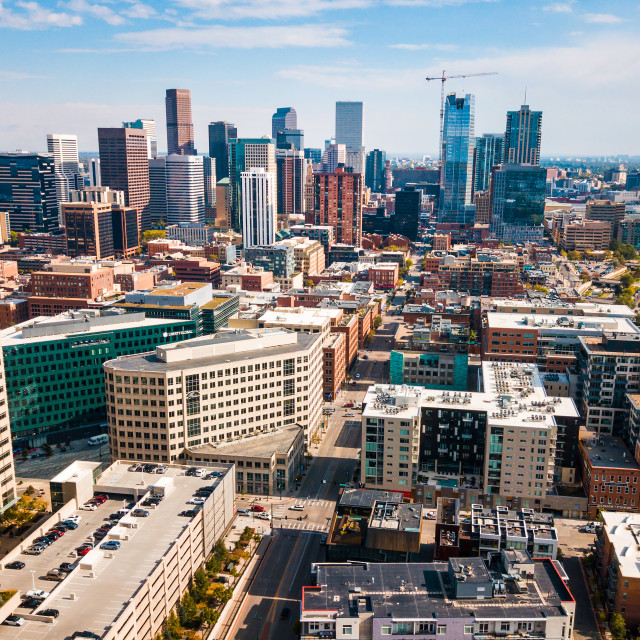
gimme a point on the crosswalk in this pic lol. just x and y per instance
(301, 526)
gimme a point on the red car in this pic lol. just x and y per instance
(347, 405)
(98, 499)
(257, 508)
(83, 550)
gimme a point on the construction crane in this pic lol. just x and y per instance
(443, 78)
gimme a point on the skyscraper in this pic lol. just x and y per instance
(523, 136)
(28, 192)
(258, 208)
(456, 170)
(152, 139)
(64, 148)
(245, 154)
(313, 154)
(288, 137)
(210, 181)
(89, 229)
(290, 167)
(158, 189)
(488, 154)
(349, 118)
(375, 168)
(95, 179)
(407, 215)
(334, 155)
(517, 202)
(124, 166)
(219, 135)
(179, 122)
(338, 204)
(185, 189)
(283, 118)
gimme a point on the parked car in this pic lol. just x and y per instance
(257, 508)
(56, 575)
(50, 613)
(297, 507)
(200, 473)
(243, 512)
(189, 513)
(161, 469)
(16, 564)
(74, 518)
(213, 474)
(285, 613)
(349, 415)
(197, 500)
(99, 535)
(14, 621)
(263, 516)
(111, 545)
(42, 541)
(70, 524)
(89, 506)
(30, 603)
(83, 549)
(117, 515)
(357, 376)
(191, 471)
(68, 567)
(347, 405)
(100, 497)
(38, 594)
(85, 634)
(140, 513)
(34, 550)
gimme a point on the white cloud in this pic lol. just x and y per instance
(425, 46)
(560, 7)
(602, 18)
(18, 75)
(139, 10)
(436, 4)
(220, 36)
(353, 77)
(95, 10)
(34, 16)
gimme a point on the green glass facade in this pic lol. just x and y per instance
(55, 387)
(431, 369)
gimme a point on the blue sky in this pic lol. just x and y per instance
(69, 66)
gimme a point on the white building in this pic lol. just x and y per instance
(184, 188)
(149, 126)
(95, 179)
(333, 155)
(193, 234)
(258, 208)
(64, 148)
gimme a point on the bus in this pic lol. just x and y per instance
(96, 440)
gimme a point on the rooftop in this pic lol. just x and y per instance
(396, 516)
(623, 531)
(609, 453)
(366, 498)
(571, 325)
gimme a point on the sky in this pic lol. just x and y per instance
(70, 66)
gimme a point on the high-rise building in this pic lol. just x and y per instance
(158, 189)
(152, 139)
(245, 154)
(523, 136)
(313, 154)
(97, 194)
(94, 173)
(338, 203)
(223, 204)
(334, 155)
(407, 216)
(219, 135)
(28, 191)
(349, 116)
(7, 471)
(374, 172)
(283, 118)
(606, 211)
(290, 166)
(179, 122)
(185, 189)
(89, 229)
(290, 139)
(124, 166)
(517, 202)
(210, 181)
(488, 153)
(258, 208)
(456, 169)
(125, 229)
(64, 148)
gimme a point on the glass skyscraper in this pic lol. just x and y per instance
(456, 170)
(523, 136)
(349, 124)
(517, 196)
(374, 173)
(219, 135)
(488, 154)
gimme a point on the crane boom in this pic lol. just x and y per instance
(443, 78)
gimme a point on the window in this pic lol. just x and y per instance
(385, 630)
(346, 630)
(442, 629)
(468, 629)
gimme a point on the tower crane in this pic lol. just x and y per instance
(443, 78)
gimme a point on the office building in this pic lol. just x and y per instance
(179, 122)
(126, 231)
(313, 154)
(349, 121)
(517, 202)
(64, 149)
(124, 166)
(185, 189)
(223, 204)
(283, 118)
(152, 139)
(338, 204)
(334, 156)
(95, 178)
(523, 136)
(28, 191)
(456, 170)
(585, 235)
(606, 211)
(289, 362)
(103, 195)
(459, 599)
(489, 150)
(406, 220)
(290, 139)
(291, 177)
(308, 255)
(89, 229)
(278, 258)
(55, 381)
(191, 233)
(210, 181)
(219, 135)
(258, 208)
(158, 190)
(7, 471)
(245, 154)
(374, 172)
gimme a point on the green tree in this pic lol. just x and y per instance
(24, 454)
(377, 322)
(146, 236)
(190, 611)
(618, 627)
(409, 262)
(472, 336)
(200, 585)
(13, 238)
(626, 280)
(210, 616)
(48, 450)
(573, 255)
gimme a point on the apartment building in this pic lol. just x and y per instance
(457, 600)
(7, 471)
(511, 438)
(263, 381)
(384, 275)
(308, 255)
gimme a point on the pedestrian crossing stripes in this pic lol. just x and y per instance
(301, 526)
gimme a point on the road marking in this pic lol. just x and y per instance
(295, 573)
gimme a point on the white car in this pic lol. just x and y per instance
(297, 507)
(39, 594)
(88, 507)
(74, 518)
(357, 376)
(14, 621)
(197, 500)
(349, 415)
(160, 469)
(200, 472)
(263, 515)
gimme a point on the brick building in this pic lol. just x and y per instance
(197, 270)
(384, 275)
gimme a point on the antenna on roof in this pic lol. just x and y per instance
(525, 95)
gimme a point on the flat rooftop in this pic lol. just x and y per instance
(423, 591)
(182, 289)
(259, 446)
(609, 453)
(366, 498)
(569, 325)
(623, 531)
(396, 516)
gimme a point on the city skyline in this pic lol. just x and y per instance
(380, 56)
